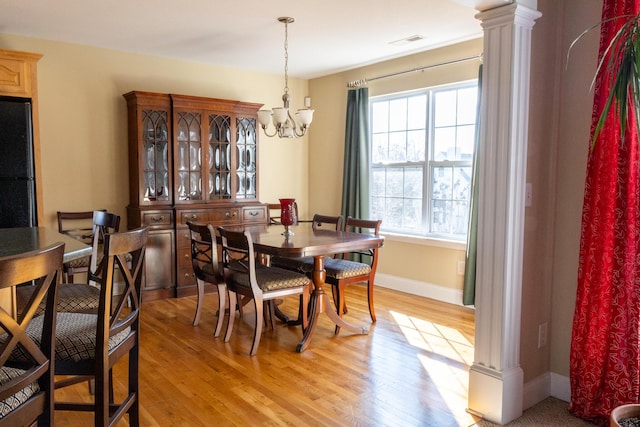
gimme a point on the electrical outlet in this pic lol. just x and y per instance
(542, 335)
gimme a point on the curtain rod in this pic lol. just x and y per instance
(362, 82)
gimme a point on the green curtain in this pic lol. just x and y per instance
(469, 291)
(355, 185)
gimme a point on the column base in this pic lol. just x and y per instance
(495, 396)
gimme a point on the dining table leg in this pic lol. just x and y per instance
(321, 303)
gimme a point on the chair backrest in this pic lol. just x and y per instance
(39, 267)
(204, 252)
(238, 257)
(364, 226)
(125, 252)
(274, 213)
(103, 224)
(322, 221)
(78, 225)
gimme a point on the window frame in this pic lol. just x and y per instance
(428, 165)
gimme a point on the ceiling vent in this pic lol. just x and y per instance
(407, 40)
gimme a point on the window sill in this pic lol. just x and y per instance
(425, 241)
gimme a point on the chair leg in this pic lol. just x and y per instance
(222, 291)
(232, 316)
(101, 398)
(272, 313)
(338, 292)
(258, 329)
(304, 308)
(200, 286)
(372, 311)
(134, 385)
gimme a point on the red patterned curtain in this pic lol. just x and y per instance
(604, 360)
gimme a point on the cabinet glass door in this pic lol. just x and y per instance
(246, 172)
(219, 157)
(155, 156)
(188, 157)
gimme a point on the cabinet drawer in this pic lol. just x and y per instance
(199, 216)
(183, 238)
(186, 277)
(224, 215)
(157, 218)
(215, 216)
(255, 214)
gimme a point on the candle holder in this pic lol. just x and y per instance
(288, 216)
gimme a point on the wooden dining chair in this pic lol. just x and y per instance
(26, 381)
(81, 297)
(78, 225)
(88, 344)
(354, 267)
(244, 276)
(204, 259)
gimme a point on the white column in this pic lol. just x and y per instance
(495, 378)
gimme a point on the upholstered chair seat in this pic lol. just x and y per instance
(75, 337)
(72, 297)
(12, 402)
(271, 279)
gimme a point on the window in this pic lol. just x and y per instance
(421, 157)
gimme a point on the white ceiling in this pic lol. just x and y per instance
(327, 36)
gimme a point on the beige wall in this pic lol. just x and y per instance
(574, 119)
(428, 264)
(83, 124)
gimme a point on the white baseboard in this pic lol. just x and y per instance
(548, 384)
(536, 391)
(423, 289)
(560, 387)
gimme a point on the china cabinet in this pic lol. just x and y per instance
(190, 159)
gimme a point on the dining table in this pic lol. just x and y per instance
(307, 242)
(14, 241)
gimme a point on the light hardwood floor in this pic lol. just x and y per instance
(410, 370)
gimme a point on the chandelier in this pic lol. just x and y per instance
(285, 125)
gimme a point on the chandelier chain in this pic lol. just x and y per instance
(286, 57)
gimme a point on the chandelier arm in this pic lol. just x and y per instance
(264, 129)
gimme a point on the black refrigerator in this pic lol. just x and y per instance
(17, 177)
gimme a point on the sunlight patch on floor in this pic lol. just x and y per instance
(446, 357)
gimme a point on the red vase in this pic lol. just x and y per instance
(288, 214)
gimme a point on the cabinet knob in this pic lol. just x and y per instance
(186, 256)
(157, 218)
(192, 216)
(254, 213)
